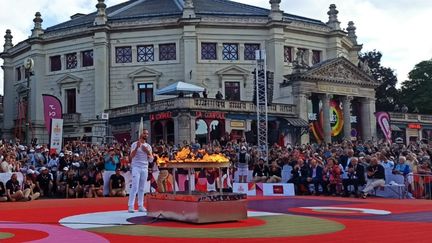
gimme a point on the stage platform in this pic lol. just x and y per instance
(281, 219)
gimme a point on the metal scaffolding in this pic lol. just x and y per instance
(261, 102)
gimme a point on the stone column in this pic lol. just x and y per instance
(300, 100)
(346, 105)
(101, 64)
(325, 99)
(368, 119)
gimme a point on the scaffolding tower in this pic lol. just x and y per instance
(261, 103)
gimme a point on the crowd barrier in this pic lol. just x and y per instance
(4, 177)
(421, 186)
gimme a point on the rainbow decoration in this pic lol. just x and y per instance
(316, 127)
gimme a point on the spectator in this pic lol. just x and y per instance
(3, 197)
(73, 187)
(260, 172)
(98, 184)
(243, 160)
(219, 95)
(315, 175)
(356, 177)
(375, 175)
(275, 173)
(111, 160)
(332, 179)
(44, 182)
(117, 185)
(402, 168)
(300, 173)
(13, 190)
(86, 186)
(30, 186)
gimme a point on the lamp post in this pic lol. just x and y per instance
(28, 66)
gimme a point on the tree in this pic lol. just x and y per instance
(387, 95)
(416, 92)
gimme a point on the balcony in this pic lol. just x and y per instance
(71, 118)
(409, 117)
(200, 104)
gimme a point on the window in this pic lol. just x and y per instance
(124, 54)
(71, 101)
(287, 54)
(249, 51)
(55, 62)
(145, 93)
(18, 73)
(230, 51)
(208, 51)
(87, 58)
(167, 52)
(232, 91)
(145, 53)
(71, 61)
(316, 57)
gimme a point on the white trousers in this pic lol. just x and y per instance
(139, 178)
(372, 184)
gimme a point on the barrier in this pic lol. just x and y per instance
(265, 189)
(4, 177)
(422, 186)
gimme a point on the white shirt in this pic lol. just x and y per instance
(141, 158)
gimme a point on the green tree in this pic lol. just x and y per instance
(387, 95)
(416, 92)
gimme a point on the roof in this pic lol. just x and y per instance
(137, 9)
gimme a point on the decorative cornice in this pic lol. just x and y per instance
(69, 79)
(145, 72)
(233, 70)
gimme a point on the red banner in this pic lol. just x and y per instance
(52, 109)
(384, 122)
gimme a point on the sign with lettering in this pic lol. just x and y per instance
(161, 116)
(211, 115)
(337, 89)
(414, 126)
(237, 124)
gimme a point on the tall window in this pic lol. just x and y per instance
(123, 54)
(87, 58)
(316, 57)
(71, 101)
(230, 51)
(71, 61)
(249, 51)
(18, 73)
(208, 51)
(167, 52)
(145, 53)
(55, 62)
(287, 54)
(145, 93)
(232, 91)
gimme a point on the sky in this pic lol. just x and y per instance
(398, 28)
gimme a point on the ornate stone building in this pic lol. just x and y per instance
(115, 59)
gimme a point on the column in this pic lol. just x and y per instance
(368, 119)
(325, 99)
(101, 64)
(301, 101)
(346, 105)
(190, 53)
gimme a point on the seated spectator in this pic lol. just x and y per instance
(117, 185)
(62, 182)
(299, 173)
(73, 187)
(86, 186)
(3, 197)
(375, 175)
(98, 184)
(30, 187)
(275, 173)
(402, 168)
(260, 172)
(332, 179)
(315, 175)
(13, 190)
(44, 182)
(356, 177)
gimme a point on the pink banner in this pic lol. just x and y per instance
(52, 109)
(383, 119)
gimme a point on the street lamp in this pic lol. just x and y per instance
(28, 66)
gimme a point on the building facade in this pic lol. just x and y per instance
(115, 59)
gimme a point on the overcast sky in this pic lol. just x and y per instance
(400, 29)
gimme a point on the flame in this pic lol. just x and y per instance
(187, 156)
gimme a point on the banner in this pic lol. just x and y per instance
(56, 138)
(52, 109)
(383, 119)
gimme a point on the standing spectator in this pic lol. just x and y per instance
(243, 159)
(219, 95)
(376, 177)
(111, 160)
(117, 185)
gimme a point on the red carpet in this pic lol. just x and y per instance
(307, 219)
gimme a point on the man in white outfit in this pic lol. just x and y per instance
(141, 155)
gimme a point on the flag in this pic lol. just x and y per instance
(383, 119)
(52, 109)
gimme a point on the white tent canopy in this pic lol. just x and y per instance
(180, 87)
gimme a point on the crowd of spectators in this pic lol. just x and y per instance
(345, 169)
